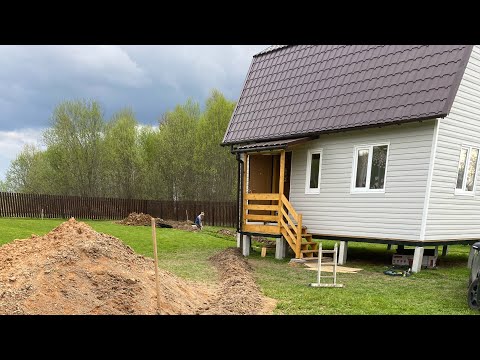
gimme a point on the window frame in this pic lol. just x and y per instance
(462, 191)
(310, 152)
(366, 189)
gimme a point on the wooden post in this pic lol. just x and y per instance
(244, 210)
(281, 184)
(298, 245)
(154, 239)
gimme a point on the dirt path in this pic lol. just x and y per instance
(238, 293)
(76, 270)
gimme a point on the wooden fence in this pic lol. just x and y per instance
(58, 206)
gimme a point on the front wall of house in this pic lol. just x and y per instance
(397, 213)
(453, 216)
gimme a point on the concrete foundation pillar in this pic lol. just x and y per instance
(246, 245)
(445, 250)
(239, 240)
(436, 251)
(389, 246)
(280, 248)
(470, 257)
(417, 259)
(342, 253)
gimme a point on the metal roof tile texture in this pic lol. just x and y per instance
(305, 89)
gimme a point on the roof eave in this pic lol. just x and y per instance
(331, 131)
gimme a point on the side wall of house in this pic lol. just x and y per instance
(453, 216)
(396, 213)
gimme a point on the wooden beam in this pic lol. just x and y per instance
(288, 232)
(299, 237)
(262, 196)
(262, 229)
(262, 207)
(289, 207)
(244, 189)
(290, 221)
(262, 217)
(281, 179)
(281, 185)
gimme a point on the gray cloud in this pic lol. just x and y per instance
(149, 79)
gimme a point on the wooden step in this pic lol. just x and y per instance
(308, 251)
(309, 243)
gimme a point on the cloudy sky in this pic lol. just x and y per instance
(150, 79)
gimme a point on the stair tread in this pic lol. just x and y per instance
(309, 243)
(308, 251)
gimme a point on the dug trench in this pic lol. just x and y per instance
(75, 270)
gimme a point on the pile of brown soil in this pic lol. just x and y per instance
(141, 219)
(138, 219)
(226, 232)
(76, 270)
(238, 293)
(182, 225)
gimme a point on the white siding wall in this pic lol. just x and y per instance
(397, 213)
(453, 216)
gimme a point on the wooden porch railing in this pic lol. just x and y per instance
(283, 219)
(291, 232)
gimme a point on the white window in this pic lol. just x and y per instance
(369, 168)
(467, 169)
(314, 167)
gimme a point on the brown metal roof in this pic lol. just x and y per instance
(298, 90)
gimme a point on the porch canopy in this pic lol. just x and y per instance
(280, 144)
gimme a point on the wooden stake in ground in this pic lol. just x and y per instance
(154, 239)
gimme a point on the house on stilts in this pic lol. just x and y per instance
(367, 143)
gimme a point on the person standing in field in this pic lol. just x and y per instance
(198, 221)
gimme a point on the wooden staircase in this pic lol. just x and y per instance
(295, 233)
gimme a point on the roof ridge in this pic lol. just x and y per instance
(270, 49)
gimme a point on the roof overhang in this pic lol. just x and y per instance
(280, 144)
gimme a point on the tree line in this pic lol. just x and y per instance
(87, 155)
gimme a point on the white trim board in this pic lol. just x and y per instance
(426, 203)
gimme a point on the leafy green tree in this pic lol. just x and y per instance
(74, 142)
(29, 172)
(176, 148)
(121, 156)
(215, 165)
(4, 186)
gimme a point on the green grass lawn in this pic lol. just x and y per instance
(440, 291)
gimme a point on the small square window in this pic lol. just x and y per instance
(370, 167)
(467, 170)
(314, 164)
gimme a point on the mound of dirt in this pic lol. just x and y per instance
(226, 232)
(182, 225)
(137, 219)
(238, 293)
(76, 270)
(141, 219)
